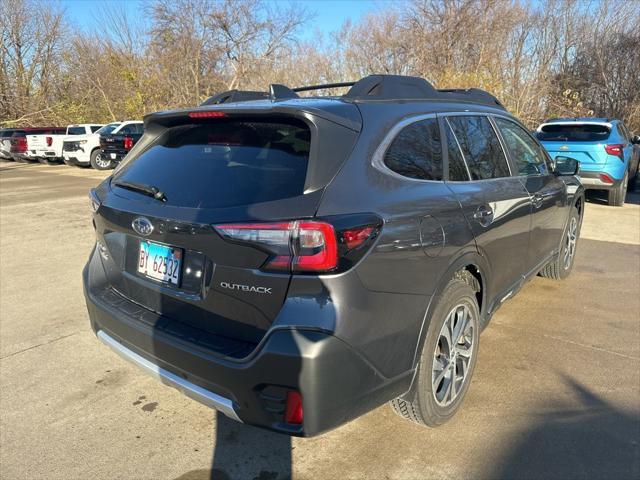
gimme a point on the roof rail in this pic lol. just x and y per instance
(475, 95)
(372, 87)
(282, 92)
(235, 96)
(323, 86)
(390, 87)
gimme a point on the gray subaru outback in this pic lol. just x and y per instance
(295, 262)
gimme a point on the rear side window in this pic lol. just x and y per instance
(574, 132)
(525, 151)
(75, 131)
(480, 146)
(225, 163)
(95, 128)
(416, 151)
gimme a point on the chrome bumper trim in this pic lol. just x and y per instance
(191, 390)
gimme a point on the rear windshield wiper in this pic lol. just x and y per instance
(149, 190)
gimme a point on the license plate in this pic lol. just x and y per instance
(113, 156)
(160, 262)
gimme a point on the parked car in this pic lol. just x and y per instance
(19, 144)
(84, 150)
(116, 145)
(48, 147)
(297, 262)
(604, 147)
(5, 142)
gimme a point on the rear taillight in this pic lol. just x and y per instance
(614, 149)
(305, 246)
(19, 145)
(128, 143)
(49, 141)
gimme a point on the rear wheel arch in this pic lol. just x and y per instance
(469, 267)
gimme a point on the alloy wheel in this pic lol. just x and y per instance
(102, 162)
(570, 243)
(452, 356)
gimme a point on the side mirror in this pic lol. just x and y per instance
(566, 166)
(635, 140)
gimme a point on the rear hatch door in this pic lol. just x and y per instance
(246, 168)
(583, 141)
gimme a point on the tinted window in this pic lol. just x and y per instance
(457, 168)
(95, 128)
(416, 151)
(225, 163)
(75, 131)
(525, 152)
(480, 147)
(107, 129)
(126, 130)
(575, 132)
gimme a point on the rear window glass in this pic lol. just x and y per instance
(578, 132)
(225, 163)
(75, 131)
(95, 128)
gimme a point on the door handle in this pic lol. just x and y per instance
(483, 215)
(537, 200)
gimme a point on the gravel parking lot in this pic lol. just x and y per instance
(556, 393)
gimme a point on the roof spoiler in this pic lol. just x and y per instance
(372, 87)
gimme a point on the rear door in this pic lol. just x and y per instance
(583, 141)
(210, 172)
(548, 192)
(496, 205)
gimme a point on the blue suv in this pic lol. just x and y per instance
(607, 152)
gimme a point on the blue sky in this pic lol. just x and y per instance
(329, 14)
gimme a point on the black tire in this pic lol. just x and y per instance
(617, 195)
(98, 164)
(420, 404)
(558, 268)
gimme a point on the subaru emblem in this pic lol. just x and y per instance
(564, 147)
(142, 226)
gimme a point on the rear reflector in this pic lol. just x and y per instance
(356, 237)
(606, 178)
(207, 114)
(293, 412)
(614, 149)
(49, 141)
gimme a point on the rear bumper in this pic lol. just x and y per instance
(337, 384)
(115, 156)
(593, 181)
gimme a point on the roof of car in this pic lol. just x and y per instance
(581, 120)
(411, 95)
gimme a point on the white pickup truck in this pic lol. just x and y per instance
(84, 150)
(46, 148)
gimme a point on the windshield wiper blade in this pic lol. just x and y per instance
(148, 190)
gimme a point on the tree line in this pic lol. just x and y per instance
(541, 59)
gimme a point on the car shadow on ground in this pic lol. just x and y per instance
(586, 438)
(245, 452)
(599, 197)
